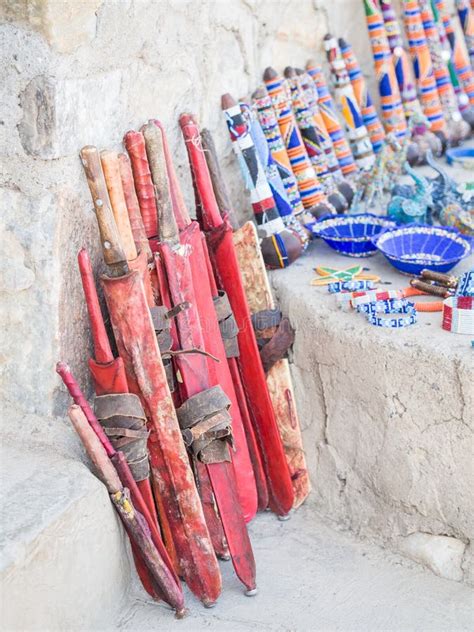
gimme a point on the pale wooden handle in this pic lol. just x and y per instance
(168, 229)
(217, 179)
(96, 451)
(114, 255)
(111, 169)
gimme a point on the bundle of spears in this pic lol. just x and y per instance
(194, 427)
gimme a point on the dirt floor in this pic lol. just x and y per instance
(312, 578)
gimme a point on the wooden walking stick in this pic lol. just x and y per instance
(138, 347)
(259, 297)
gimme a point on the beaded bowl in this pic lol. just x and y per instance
(416, 246)
(461, 157)
(352, 235)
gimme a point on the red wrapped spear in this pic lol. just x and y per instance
(137, 345)
(219, 238)
(204, 416)
(116, 475)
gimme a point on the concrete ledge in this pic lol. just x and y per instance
(63, 560)
(387, 418)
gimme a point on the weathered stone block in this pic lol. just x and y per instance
(59, 116)
(65, 25)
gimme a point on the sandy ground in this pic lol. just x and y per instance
(312, 578)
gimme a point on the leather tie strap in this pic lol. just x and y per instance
(124, 422)
(274, 336)
(227, 324)
(206, 425)
(161, 318)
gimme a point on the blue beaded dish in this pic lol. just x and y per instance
(461, 156)
(352, 235)
(416, 246)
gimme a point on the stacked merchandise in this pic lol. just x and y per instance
(194, 427)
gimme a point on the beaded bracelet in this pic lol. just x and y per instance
(393, 323)
(389, 306)
(458, 314)
(350, 286)
(360, 298)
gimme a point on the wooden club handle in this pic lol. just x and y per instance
(114, 255)
(96, 451)
(111, 169)
(168, 228)
(217, 179)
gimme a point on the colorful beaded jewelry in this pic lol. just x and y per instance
(330, 275)
(360, 298)
(433, 306)
(389, 306)
(350, 286)
(465, 285)
(458, 315)
(393, 323)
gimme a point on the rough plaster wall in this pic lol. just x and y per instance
(387, 420)
(85, 76)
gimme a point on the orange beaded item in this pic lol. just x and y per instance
(434, 306)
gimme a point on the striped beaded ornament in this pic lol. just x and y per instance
(466, 17)
(424, 74)
(348, 107)
(310, 96)
(401, 60)
(331, 121)
(269, 124)
(363, 98)
(393, 115)
(263, 204)
(312, 141)
(310, 188)
(271, 171)
(465, 107)
(458, 129)
(459, 57)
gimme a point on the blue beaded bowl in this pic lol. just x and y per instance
(413, 247)
(352, 235)
(461, 157)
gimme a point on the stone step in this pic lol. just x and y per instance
(63, 560)
(312, 578)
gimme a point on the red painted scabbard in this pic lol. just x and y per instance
(135, 145)
(227, 272)
(172, 476)
(108, 374)
(196, 325)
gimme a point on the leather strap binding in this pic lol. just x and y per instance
(274, 336)
(227, 325)
(161, 318)
(124, 422)
(206, 425)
